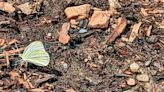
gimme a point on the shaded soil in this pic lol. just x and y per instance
(85, 64)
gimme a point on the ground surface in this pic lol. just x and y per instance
(85, 64)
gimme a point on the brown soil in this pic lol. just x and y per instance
(85, 64)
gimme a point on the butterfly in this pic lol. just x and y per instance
(36, 54)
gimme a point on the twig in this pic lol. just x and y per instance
(7, 59)
(118, 30)
(10, 43)
(4, 22)
(12, 52)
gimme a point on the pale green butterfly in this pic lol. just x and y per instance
(35, 53)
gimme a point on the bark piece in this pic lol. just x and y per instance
(99, 19)
(134, 32)
(4, 6)
(80, 12)
(118, 30)
(63, 34)
(26, 8)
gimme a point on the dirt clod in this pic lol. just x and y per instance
(131, 81)
(142, 77)
(134, 67)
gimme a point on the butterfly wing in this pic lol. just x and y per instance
(39, 57)
(36, 54)
(36, 45)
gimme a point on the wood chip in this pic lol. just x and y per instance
(2, 41)
(134, 32)
(26, 8)
(118, 30)
(148, 32)
(144, 12)
(4, 6)
(7, 59)
(99, 19)
(80, 12)
(63, 34)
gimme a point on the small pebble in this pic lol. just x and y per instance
(120, 44)
(65, 65)
(142, 77)
(158, 66)
(147, 63)
(152, 39)
(49, 34)
(83, 31)
(83, 23)
(134, 67)
(148, 87)
(131, 81)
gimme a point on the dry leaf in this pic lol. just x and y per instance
(79, 12)
(4, 6)
(2, 41)
(148, 30)
(63, 34)
(26, 8)
(118, 30)
(99, 19)
(134, 32)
